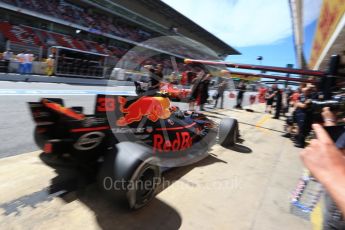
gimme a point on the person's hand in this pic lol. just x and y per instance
(322, 157)
(328, 116)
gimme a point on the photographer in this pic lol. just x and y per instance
(304, 117)
(326, 161)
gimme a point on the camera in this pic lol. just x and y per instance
(336, 105)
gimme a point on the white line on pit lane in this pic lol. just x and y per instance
(21, 92)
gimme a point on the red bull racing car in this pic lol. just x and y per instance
(128, 141)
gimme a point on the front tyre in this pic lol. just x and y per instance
(228, 132)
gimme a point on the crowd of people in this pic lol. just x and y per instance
(296, 105)
(204, 87)
(97, 23)
(25, 59)
(324, 156)
(298, 125)
(199, 82)
(86, 17)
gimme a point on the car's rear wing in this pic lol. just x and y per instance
(41, 114)
(49, 109)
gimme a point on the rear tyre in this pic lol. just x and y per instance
(145, 180)
(228, 132)
(130, 174)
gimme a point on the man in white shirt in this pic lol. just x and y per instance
(7, 56)
(28, 58)
(20, 59)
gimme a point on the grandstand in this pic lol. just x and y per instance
(100, 26)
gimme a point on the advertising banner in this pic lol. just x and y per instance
(330, 14)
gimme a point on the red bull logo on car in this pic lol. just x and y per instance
(153, 108)
(181, 142)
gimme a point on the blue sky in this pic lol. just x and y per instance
(253, 27)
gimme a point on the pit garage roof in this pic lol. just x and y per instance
(158, 11)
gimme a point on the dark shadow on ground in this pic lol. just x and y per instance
(71, 184)
(239, 148)
(109, 213)
(156, 215)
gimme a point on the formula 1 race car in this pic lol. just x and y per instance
(128, 141)
(172, 91)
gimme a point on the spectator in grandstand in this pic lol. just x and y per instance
(50, 65)
(7, 56)
(156, 76)
(241, 90)
(82, 16)
(220, 94)
(20, 59)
